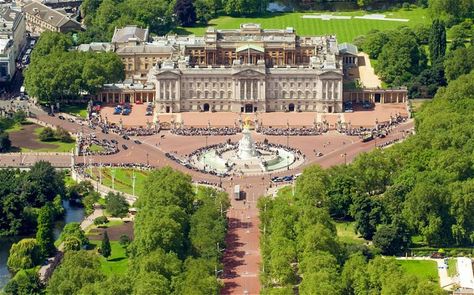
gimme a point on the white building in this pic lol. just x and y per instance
(12, 40)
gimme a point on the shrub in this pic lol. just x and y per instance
(47, 134)
(63, 136)
(100, 220)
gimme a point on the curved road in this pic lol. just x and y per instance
(242, 255)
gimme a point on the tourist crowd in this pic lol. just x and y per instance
(106, 147)
(291, 131)
(106, 127)
(192, 131)
(381, 129)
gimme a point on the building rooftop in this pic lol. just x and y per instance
(130, 33)
(348, 48)
(48, 15)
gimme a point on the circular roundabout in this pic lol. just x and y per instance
(245, 157)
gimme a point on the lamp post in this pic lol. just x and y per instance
(113, 179)
(133, 183)
(345, 158)
(147, 161)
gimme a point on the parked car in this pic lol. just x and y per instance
(125, 137)
(61, 117)
(137, 141)
(126, 112)
(113, 141)
(124, 147)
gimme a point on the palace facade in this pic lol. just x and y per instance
(240, 70)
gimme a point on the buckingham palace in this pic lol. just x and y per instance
(238, 70)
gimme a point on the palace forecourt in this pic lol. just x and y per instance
(243, 70)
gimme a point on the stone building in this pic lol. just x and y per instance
(243, 70)
(12, 40)
(40, 18)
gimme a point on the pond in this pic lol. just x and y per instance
(73, 213)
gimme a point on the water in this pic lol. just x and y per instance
(73, 213)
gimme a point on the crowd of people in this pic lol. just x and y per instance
(291, 131)
(106, 147)
(194, 131)
(107, 127)
(381, 129)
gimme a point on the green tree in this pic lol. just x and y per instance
(391, 239)
(74, 230)
(24, 282)
(24, 254)
(437, 41)
(47, 134)
(5, 143)
(198, 278)
(78, 269)
(46, 182)
(116, 204)
(105, 248)
(459, 62)
(44, 233)
(185, 12)
(101, 220)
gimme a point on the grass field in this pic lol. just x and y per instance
(95, 148)
(452, 270)
(345, 29)
(76, 109)
(423, 269)
(117, 263)
(123, 179)
(346, 233)
(60, 146)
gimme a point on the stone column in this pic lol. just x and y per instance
(158, 91)
(251, 89)
(177, 90)
(245, 89)
(259, 90)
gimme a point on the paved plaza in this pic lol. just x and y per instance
(361, 117)
(242, 255)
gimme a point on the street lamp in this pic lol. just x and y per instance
(147, 161)
(345, 158)
(133, 183)
(113, 179)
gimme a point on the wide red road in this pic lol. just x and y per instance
(242, 255)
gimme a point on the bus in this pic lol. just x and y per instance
(237, 193)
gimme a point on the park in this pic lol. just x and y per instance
(220, 151)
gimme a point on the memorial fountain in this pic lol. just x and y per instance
(246, 156)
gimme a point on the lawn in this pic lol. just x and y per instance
(75, 109)
(117, 263)
(94, 148)
(452, 270)
(345, 29)
(346, 233)
(423, 269)
(123, 178)
(109, 224)
(60, 146)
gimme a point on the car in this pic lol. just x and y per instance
(124, 147)
(288, 178)
(113, 141)
(51, 114)
(126, 112)
(138, 102)
(137, 141)
(71, 120)
(319, 154)
(148, 113)
(61, 117)
(125, 137)
(117, 111)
